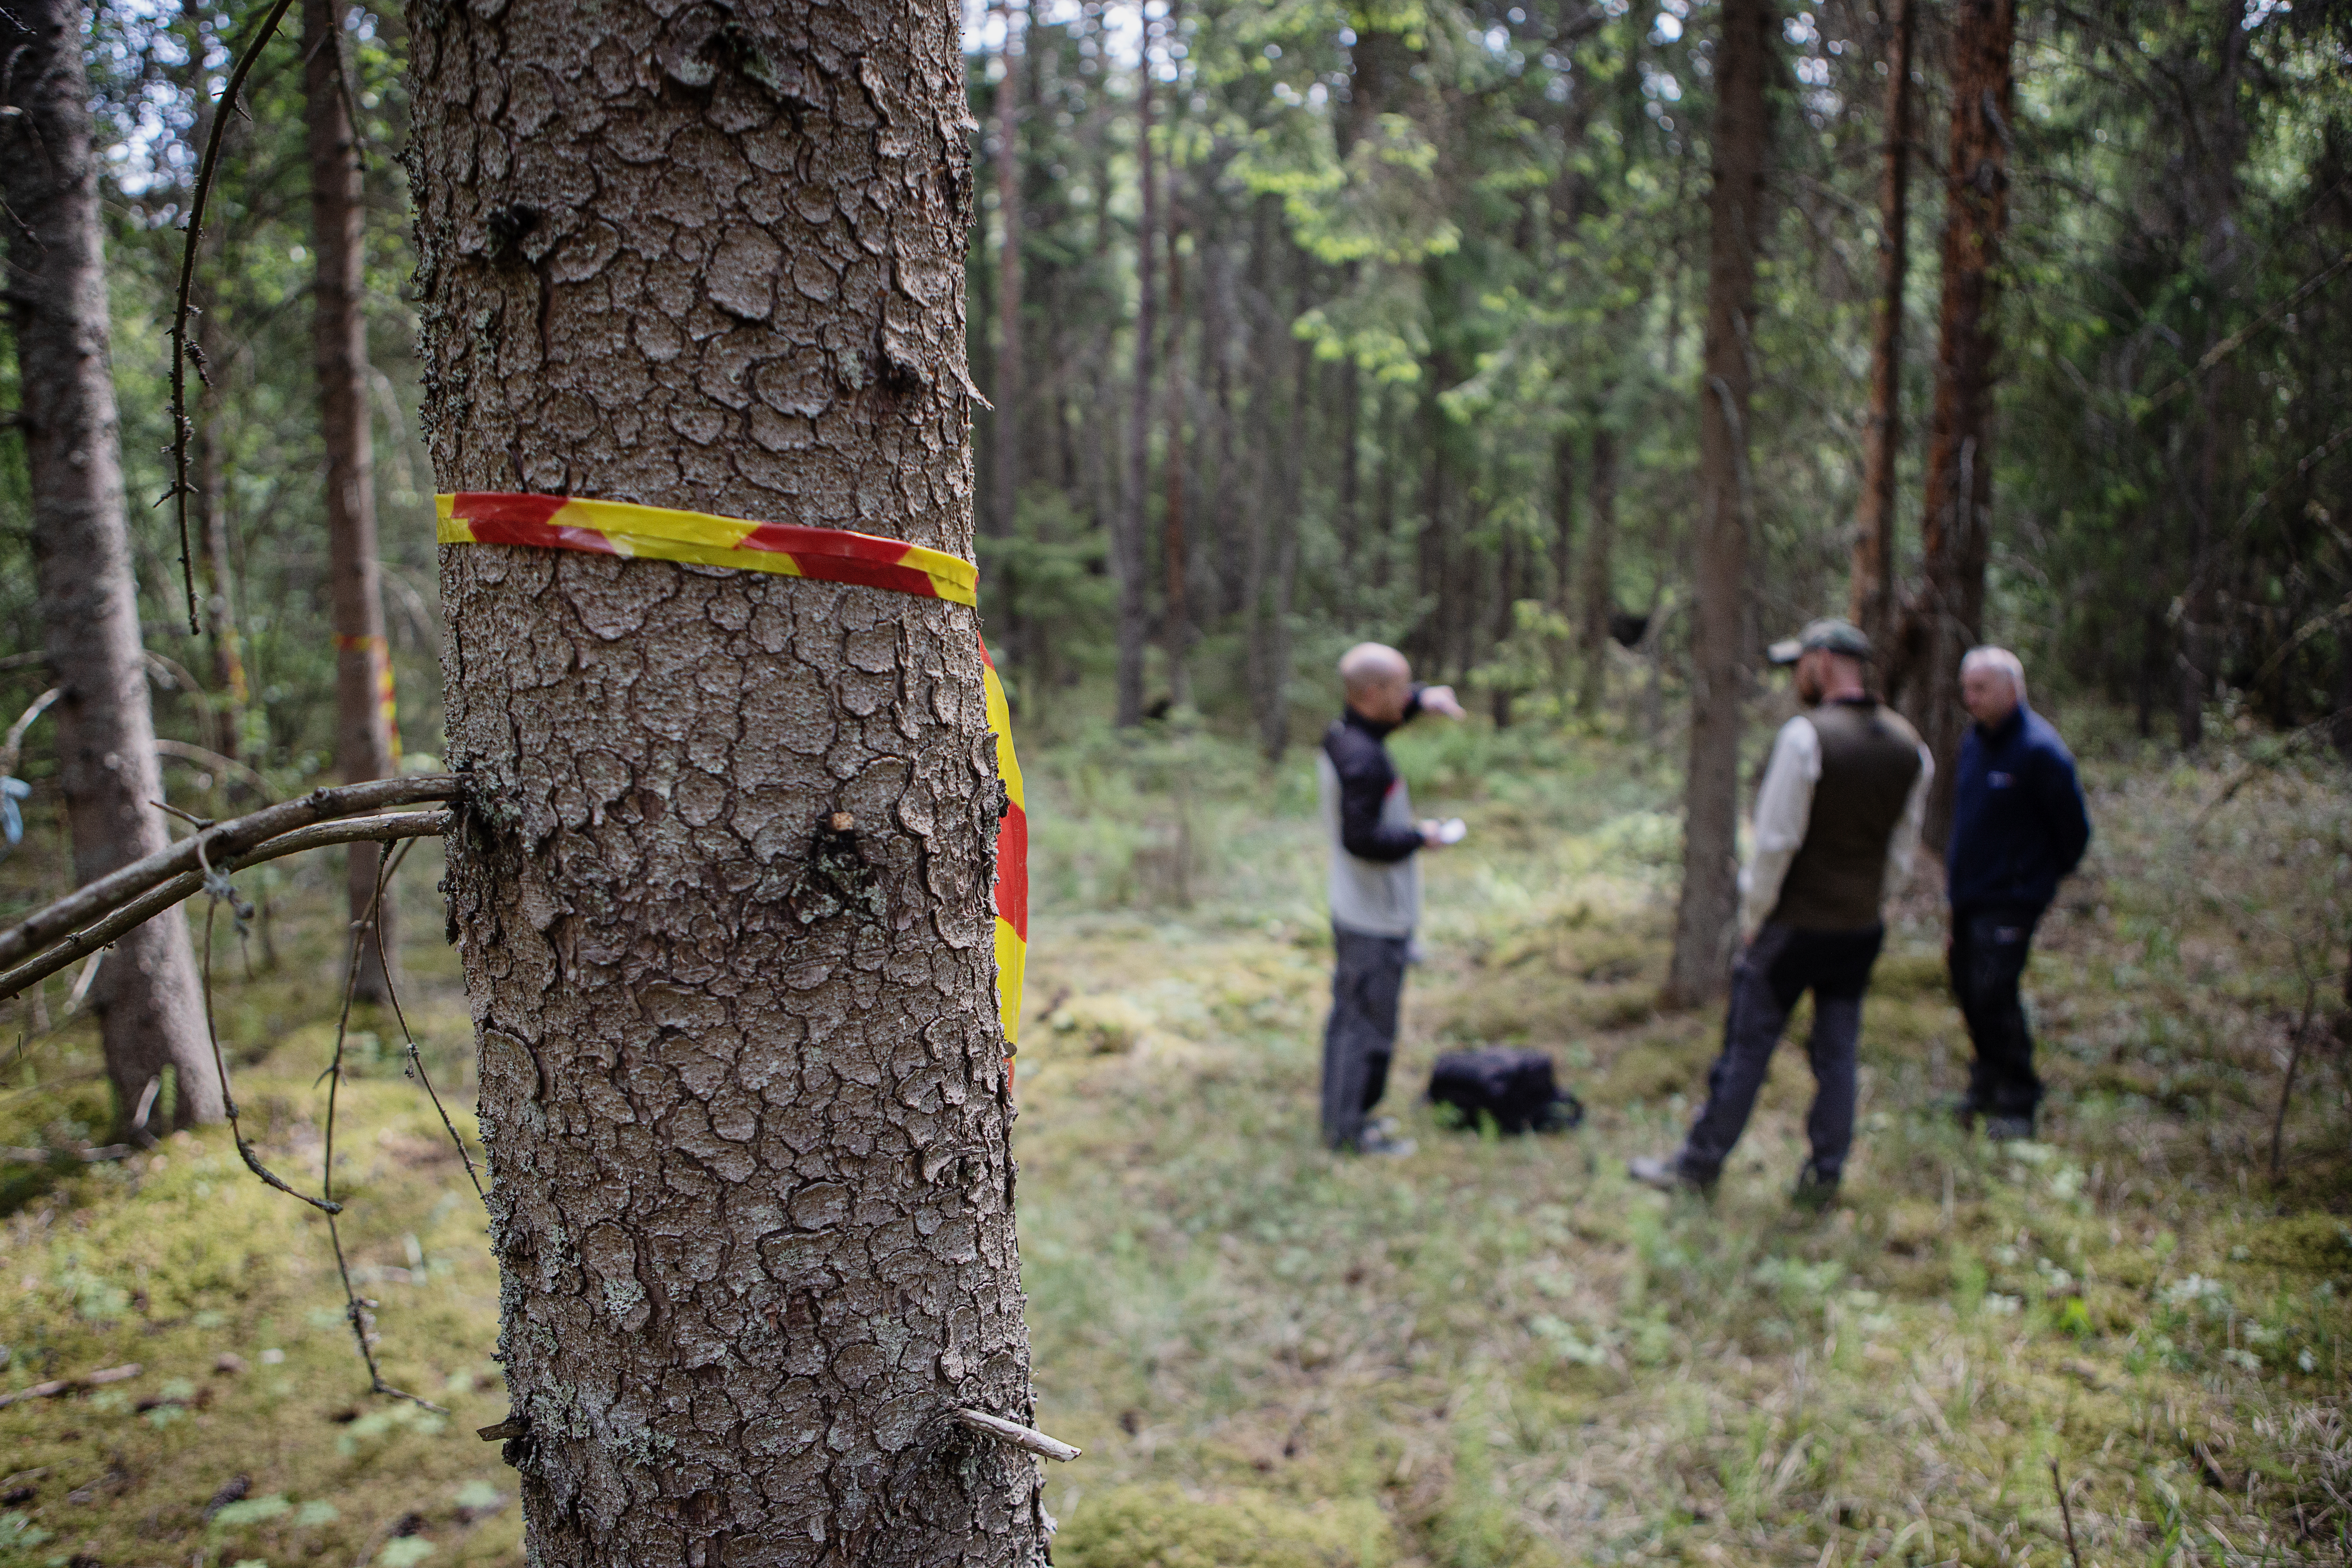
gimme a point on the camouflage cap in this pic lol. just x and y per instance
(1836, 636)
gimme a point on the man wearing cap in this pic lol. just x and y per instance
(1836, 821)
(2017, 826)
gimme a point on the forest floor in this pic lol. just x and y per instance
(1494, 1353)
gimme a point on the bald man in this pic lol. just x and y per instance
(1375, 888)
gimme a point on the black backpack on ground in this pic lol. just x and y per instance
(1513, 1086)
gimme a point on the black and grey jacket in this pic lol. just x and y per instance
(1375, 883)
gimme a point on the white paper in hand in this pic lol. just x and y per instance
(1453, 830)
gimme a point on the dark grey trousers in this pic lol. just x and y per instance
(1360, 1038)
(1780, 965)
(1990, 947)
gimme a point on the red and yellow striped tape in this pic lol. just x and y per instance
(620, 528)
(824, 554)
(379, 653)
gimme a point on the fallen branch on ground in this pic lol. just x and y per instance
(72, 1384)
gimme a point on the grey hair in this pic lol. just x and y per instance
(2001, 658)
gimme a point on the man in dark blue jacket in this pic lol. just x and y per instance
(2018, 826)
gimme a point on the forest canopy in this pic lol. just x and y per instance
(1389, 325)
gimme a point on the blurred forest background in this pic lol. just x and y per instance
(1386, 320)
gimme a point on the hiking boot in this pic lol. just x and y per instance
(1665, 1173)
(1379, 1140)
(2009, 1129)
(1814, 1193)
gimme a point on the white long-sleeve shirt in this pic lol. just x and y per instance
(1784, 807)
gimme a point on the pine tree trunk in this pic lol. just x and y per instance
(1177, 562)
(1600, 584)
(1739, 228)
(1127, 545)
(1273, 691)
(1956, 527)
(1007, 423)
(742, 1087)
(150, 1020)
(364, 743)
(1874, 545)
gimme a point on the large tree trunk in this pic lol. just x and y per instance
(1127, 545)
(1599, 585)
(365, 747)
(1956, 526)
(1739, 228)
(151, 1020)
(1874, 545)
(742, 1079)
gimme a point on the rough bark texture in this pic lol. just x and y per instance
(1874, 545)
(150, 1017)
(742, 1077)
(1956, 530)
(364, 739)
(1127, 540)
(1738, 227)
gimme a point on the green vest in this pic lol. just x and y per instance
(1869, 760)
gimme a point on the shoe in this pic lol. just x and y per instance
(1814, 1193)
(1665, 1173)
(1386, 1126)
(1377, 1140)
(2009, 1129)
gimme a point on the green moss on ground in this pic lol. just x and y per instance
(1495, 1354)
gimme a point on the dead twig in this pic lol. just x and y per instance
(203, 757)
(355, 1306)
(223, 843)
(1018, 1436)
(72, 1384)
(187, 885)
(2065, 1512)
(12, 748)
(183, 430)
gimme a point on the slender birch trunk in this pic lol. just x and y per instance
(150, 1020)
(753, 1184)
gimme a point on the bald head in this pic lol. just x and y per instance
(1379, 681)
(1371, 664)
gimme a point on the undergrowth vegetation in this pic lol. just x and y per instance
(1494, 1352)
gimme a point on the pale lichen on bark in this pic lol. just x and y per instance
(753, 1181)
